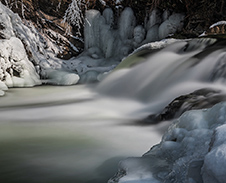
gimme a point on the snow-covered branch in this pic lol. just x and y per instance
(74, 15)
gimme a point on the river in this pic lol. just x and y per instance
(80, 133)
(69, 134)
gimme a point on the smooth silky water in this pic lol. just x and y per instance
(80, 133)
(68, 134)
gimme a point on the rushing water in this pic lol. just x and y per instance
(68, 134)
(75, 134)
(178, 69)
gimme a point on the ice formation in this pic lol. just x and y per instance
(15, 68)
(126, 35)
(192, 150)
(107, 42)
(171, 25)
(25, 53)
(60, 77)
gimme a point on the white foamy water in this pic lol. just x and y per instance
(178, 69)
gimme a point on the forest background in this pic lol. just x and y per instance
(199, 15)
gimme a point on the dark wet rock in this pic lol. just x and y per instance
(199, 99)
(121, 173)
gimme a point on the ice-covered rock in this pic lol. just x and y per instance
(171, 25)
(26, 52)
(100, 35)
(152, 34)
(116, 41)
(109, 16)
(155, 18)
(34, 43)
(138, 36)
(60, 77)
(127, 23)
(16, 69)
(6, 28)
(192, 150)
(215, 161)
(93, 23)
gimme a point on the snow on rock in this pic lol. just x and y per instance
(15, 68)
(21, 46)
(60, 77)
(89, 68)
(13, 26)
(216, 28)
(192, 150)
(6, 29)
(217, 24)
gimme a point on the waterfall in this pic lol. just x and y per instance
(180, 68)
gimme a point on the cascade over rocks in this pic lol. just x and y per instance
(200, 99)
